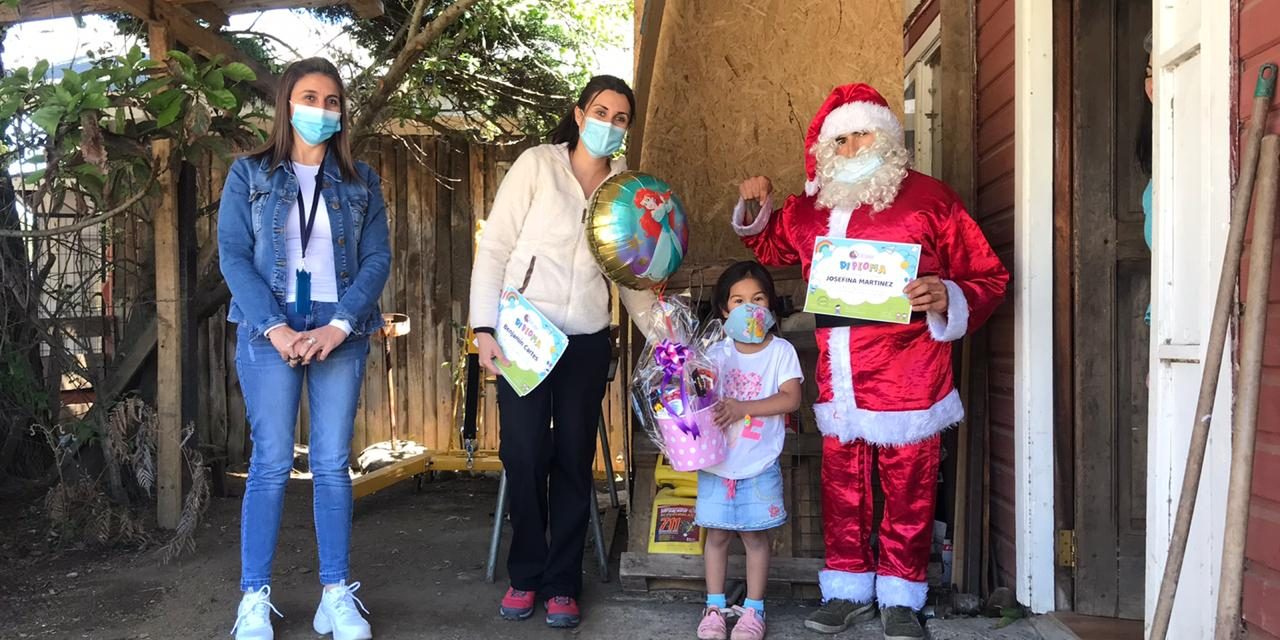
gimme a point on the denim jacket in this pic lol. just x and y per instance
(251, 242)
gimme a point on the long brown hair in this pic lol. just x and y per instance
(279, 145)
(567, 130)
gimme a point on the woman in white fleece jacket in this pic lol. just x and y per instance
(535, 240)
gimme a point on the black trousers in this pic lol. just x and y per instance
(548, 467)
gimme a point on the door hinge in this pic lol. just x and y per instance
(1066, 548)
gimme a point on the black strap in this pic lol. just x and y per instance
(307, 223)
(831, 322)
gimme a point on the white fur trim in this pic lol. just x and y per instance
(844, 420)
(896, 592)
(860, 116)
(954, 324)
(842, 585)
(761, 221)
(838, 222)
(811, 187)
(841, 368)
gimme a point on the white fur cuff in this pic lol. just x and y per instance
(842, 585)
(761, 221)
(954, 324)
(896, 592)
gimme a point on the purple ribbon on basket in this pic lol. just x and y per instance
(672, 356)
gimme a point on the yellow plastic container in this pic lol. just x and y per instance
(671, 526)
(665, 476)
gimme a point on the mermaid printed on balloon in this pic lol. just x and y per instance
(656, 224)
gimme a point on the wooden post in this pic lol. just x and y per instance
(169, 320)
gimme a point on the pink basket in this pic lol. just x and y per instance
(687, 453)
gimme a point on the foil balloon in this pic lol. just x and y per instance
(637, 229)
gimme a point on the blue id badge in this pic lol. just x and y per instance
(302, 299)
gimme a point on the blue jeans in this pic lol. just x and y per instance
(272, 392)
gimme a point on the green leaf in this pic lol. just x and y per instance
(10, 4)
(49, 117)
(185, 60)
(41, 68)
(71, 80)
(161, 101)
(214, 79)
(63, 97)
(170, 112)
(221, 98)
(97, 101)
(154, 84)
(35, 176)
(239, 72)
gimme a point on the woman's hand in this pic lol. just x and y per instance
(927, 294)
(319, 343)
(757, 188)
(487, 347)
(284, 339)
(729, 411)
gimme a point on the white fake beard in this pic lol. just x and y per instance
(878, 189)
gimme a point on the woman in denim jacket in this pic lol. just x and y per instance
(302, 237)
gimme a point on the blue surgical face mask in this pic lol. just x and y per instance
(858, 168)
(749, 323)
(601, 138)
(315, 125)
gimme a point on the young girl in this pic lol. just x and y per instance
(760, 384)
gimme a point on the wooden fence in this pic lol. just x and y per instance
(436, 191)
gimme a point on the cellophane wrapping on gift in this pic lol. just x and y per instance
(676, 379)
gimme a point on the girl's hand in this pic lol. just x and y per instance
(317, 344)
(488, 349)
(729, 411)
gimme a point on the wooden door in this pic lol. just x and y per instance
(1112, 275)
(1193, 129)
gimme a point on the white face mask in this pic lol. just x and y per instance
(858, 168)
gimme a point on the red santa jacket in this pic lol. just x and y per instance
(888, 383)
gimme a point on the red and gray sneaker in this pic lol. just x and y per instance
(517, 604)
(562, 612)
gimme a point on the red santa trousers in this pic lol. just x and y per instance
(908, 475)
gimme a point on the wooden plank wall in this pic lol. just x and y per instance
(436, 191)
(994, 212)
(1258, 42)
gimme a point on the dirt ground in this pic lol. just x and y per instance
(419, 556)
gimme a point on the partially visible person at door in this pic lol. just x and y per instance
(302, 241)
(535, 241)
(1145, 154)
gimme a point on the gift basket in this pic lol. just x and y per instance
(676, 386)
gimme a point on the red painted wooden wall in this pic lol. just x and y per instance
(1258, 42)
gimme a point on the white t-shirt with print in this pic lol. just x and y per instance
(754, 376)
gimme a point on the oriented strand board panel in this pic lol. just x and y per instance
(735, 85)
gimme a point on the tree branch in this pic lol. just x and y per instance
(83, 224)
(407, 57)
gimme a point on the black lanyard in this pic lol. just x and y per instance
(307, 223)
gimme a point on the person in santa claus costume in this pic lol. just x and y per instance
(885, 390)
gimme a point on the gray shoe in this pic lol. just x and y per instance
(901, 623)
(836, 615)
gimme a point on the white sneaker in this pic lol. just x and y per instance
(337, 614)
(253, 618)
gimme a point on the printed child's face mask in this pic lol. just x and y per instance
(749, 323)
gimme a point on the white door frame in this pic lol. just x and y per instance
(1192, 201)
(1033, 302)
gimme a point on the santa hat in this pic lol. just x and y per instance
(849, 108)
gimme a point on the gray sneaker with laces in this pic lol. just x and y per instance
(901, 623)
(836, 615)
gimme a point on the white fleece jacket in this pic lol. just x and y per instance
(535, 239)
